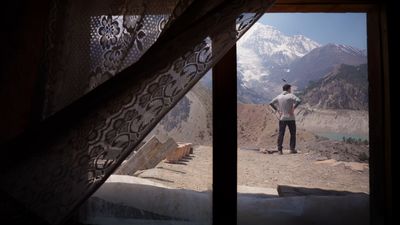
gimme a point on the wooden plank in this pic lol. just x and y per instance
(181, 151)
(148, 156)
(290, 191)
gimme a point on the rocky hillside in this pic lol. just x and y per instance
(345, 87)
(258, 127)
(320, 61)
(337, 104)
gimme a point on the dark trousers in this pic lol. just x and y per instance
(292, 130)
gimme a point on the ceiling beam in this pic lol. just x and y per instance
(321, 6)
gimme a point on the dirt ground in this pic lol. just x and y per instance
(256, 169)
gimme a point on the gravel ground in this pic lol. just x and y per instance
(255, 169)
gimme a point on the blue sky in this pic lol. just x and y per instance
(339, 28)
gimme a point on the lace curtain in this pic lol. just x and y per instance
(115, 68)
(91, 41)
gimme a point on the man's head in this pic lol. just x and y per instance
(286, 87)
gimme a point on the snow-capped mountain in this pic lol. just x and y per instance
(348, 49)
(266, 57)
(274, 47)
(263, 51)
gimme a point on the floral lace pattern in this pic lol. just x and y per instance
(119, 41)
(108, 31)
(85, 40)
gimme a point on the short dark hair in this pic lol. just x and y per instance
(286, 87)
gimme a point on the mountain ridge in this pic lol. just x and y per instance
(345, 87)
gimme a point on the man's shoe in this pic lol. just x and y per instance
(280, 152)
(293, 151)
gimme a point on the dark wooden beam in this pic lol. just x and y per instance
(307, 6)
(225, 140)
(21, 72)
(327, 2)
(379, 117)
(392, 50)
(319, 8)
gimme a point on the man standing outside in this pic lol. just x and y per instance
(286, 103)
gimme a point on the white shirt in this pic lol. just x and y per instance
(286, 102)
